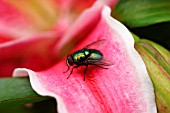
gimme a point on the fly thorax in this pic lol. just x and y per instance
(86, 52)
(79, 56)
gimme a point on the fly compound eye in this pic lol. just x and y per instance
(69, 60)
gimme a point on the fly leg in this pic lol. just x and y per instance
(72, 71)
(67, 69)
(85, 72)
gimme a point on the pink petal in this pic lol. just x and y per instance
(70, 4)
(27, 52)
(13, 23)
(82, 25)
(24, 18)
(35, 52)
(111, 3)
(123, 88)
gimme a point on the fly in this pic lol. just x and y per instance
(89, 55)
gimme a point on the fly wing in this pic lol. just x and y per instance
(100, 46)
(105, 62)
(96, 44)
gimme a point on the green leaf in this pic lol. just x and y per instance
(136, 13)
(46, 106)
(17, 91)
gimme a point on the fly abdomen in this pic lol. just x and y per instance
(95, 55)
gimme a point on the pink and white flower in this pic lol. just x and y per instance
(124, 87)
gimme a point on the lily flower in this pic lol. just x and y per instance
(30, 29)
(124, 87)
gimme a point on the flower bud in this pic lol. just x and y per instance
(157, 61)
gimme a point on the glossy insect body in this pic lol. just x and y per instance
(85, 57)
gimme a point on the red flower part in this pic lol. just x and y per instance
(27, 39)
(35, 53)
(13, 24)
(123, 88)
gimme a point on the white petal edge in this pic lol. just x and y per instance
(132, 53)
(37, 86)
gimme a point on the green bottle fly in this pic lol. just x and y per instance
(85, 57)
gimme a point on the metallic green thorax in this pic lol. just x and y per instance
(84, 55)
